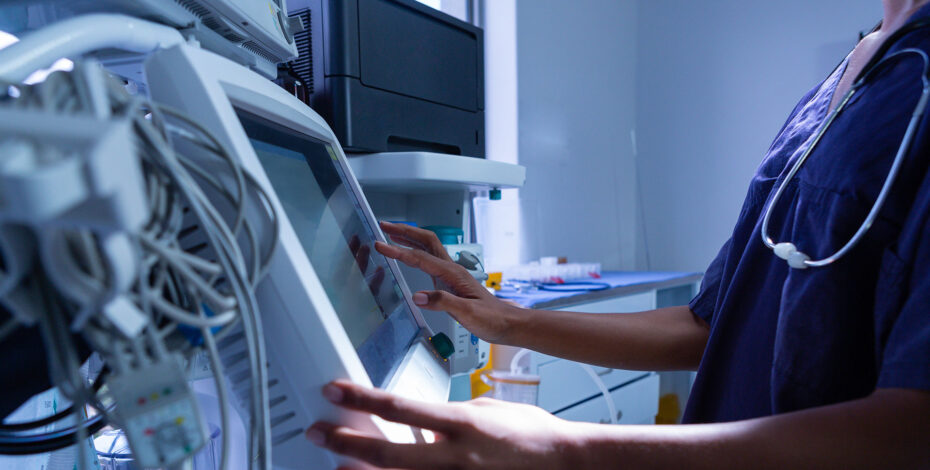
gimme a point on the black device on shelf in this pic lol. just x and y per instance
(392, 75)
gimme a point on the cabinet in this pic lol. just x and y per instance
(637, 403)
(569, 392)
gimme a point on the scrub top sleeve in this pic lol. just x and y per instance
(704, 302)
(905, 359)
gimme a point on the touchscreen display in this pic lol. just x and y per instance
(339, 241)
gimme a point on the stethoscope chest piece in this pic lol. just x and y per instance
(788, 252)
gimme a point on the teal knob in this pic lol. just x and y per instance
(443, 345)
(494, 194)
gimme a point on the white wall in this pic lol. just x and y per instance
(497, 223)
(576, 76)
(706, 84)
(715, 81)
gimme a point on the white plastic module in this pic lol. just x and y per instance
(309, 340)
(159, 414)
(412, 172)
(257, 34)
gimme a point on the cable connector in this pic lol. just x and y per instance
(159, 414)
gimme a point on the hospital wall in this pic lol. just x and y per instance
(715, 80)
(576, 107)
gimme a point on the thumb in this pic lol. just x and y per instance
(441, 300)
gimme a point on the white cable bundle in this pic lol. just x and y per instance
(113, 258)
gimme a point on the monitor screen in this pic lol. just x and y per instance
(330, 222)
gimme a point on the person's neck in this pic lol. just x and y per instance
(896, 12)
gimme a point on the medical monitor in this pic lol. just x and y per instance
(331, 306)
(328, 218)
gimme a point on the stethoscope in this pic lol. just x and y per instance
(524, 287)
(788, 251)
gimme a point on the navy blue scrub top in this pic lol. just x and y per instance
(783, 339)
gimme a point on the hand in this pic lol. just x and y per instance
(483, 433)
(457, 291)
(362, 256)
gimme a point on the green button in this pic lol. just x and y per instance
(494, 194)
(443, 345)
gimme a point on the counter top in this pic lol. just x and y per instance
(621, 283)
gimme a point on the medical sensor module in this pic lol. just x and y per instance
(188, 257)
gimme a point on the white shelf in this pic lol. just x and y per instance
(423, 172)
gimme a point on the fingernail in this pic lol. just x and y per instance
(420, 298)
(333, 393)
(315, 436)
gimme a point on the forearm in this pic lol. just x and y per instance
(890, 429)
(663, 339)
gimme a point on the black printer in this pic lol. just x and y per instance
(392, 75)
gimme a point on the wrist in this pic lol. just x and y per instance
(512, 323)
(576, 446)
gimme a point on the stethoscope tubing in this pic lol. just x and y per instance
(787, 250)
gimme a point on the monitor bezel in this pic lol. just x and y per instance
(258, 96)
(210, 88)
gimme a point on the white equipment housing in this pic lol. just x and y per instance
(308, 342)
(257, 34)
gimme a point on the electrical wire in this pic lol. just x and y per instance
(49, 442)
(226, 249)
(608, 398)
(61, 356)
(173, 284)
(221, 392)
(7, 428)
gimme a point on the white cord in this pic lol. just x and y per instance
(611, 406)
(230, 257)
(171, 311)
(172, 285)
(81, 437)
(221, 393)
(601, 386)
(515, 361)
(76, 36)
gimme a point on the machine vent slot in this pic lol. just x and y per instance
(256, 49)
(194, 7)
(303, 64)
(284, 437)
(230, 340)
(212, 23)
(230, 35)
(278, 420)
(282, 414)
(277, 401)
(241, 378)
